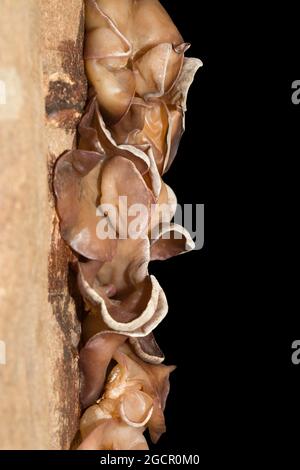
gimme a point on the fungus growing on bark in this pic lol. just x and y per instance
(134, 396)
(127, 139)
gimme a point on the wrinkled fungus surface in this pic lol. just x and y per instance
(127, 139)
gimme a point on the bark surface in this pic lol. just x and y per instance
(42, 95)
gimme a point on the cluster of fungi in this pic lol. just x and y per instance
(127, 139)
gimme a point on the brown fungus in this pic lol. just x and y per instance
(127, 139)
(135, 395)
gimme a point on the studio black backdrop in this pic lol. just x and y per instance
(284, 318)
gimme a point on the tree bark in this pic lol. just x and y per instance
(42, 95)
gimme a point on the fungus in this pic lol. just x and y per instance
(134, 397)
(127, 139)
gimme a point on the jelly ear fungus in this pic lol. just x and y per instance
(127, 140)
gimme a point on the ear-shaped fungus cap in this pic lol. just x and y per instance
(135, 394)
(127, 139)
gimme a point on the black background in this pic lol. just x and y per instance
(285, 263)
(234, 311)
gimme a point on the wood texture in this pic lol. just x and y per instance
(42, 73)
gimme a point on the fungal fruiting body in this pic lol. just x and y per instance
(127, 139)
(133, 399)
